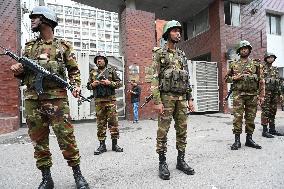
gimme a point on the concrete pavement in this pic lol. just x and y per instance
(208, 152)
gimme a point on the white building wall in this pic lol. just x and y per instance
(275, 44)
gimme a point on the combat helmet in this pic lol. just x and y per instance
(48, 15)
(268, 54)
(101, 54)
(168, 26)
(243, 43)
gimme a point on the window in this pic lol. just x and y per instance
(100, 15)
(59, 31)
(101, 46)
(85, 44)
(76, 12)
(232, 13)
(93, 45)
(93, 23)
(85, 33)
(108, 46)
(68, 11)
(68, 32)
(273, 23)
(77, 33)
(85, 13)
(199, 24)
(85, 23)
(76, 22)
(108, 16)
(115, 17)
(100, 24)
(107, 25)
(60, 19)
(93, 13)
(115, 38)
(107, 36)
(116, 27)
(93, 34)
(68, 21)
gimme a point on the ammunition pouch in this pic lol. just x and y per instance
(174, 81)
(272, 84)
(103, 91)
(248, 83)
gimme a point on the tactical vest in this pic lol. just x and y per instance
(250, 80)
(272, 81)
(174, 77)
(54, 63)
(102, 90)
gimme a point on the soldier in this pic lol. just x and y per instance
(273, 90)
(103, 81)
(247, 78)
(51, 107)
(172, 95)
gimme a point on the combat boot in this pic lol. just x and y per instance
(237, 144)
(101, 149)
(265, 132)
(115, 147)
(251, 143)
(80, 181)
(273, 131)
(182, 165)
(47, 182)
(164, 172)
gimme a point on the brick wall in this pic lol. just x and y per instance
(220, 37)
(138, 40)
(10, 38)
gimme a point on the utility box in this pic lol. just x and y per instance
(204, 83)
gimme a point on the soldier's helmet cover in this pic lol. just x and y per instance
(269, 54)
(243, 43)
(168, 26)
(101, 54)
(48, 15)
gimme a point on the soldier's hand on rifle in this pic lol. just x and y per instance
(159, 108)
(105, 82)
(237, 77)
(190, 106)
(95, 83)
(17, 68)
(76, 92)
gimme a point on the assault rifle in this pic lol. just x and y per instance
(147, 100)
(228, 94)
(41, 73)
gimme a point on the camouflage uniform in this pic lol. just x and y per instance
(106, 103)
(174, 104)
(273, 89)
(249, 84)
(245, 93)
(51, 107)
(171, 90)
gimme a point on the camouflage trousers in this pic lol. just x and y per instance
(269, 109)
(244, 104)
(40, 115)
(176, 109)
(107, 117)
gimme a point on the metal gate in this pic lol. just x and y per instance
(205, 89)
(86, 110)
